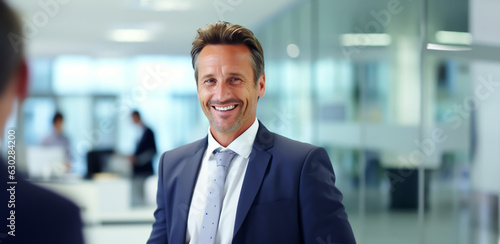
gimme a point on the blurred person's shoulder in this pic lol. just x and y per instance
(39, 214)
(40, 197)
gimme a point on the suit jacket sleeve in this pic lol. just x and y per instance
(159, 232)
(323, 216)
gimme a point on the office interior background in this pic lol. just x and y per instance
(402, 93)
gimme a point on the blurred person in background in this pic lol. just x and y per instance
(28, 213)
(58, 138)
(277, 190)
(142, 160)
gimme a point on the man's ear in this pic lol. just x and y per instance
(261, 86)
(22, 80)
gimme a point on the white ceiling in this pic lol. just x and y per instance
(83, 26)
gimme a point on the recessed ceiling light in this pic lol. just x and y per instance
(440, 47)
(454, 37)
(130, 35)
(293, 50)
(368, 39)
(166, 5)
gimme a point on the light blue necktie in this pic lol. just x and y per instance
(210, 222)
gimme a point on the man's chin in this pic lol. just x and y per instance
(225, 127)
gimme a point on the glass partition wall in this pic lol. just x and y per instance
(386, 87)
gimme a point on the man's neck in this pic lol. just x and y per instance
(224, 139)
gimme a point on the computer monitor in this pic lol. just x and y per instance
(45, 162)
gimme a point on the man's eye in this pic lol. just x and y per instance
(235, 79)
(210, 81)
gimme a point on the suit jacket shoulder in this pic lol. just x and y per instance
(291, 146)
(289, 151)
(177, 154)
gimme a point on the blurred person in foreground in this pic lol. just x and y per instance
(29, 214)
(142, 160)
(276, 191)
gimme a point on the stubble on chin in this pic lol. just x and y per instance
(237, 124)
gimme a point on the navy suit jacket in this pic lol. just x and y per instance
(146, 145)
(288, 194)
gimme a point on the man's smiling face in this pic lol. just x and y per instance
(227, 89)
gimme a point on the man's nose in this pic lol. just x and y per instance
(222, 91)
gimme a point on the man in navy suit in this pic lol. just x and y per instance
(28, 213)
(142, 160)
(276, 190)
(145, 149)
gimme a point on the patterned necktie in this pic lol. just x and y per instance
(210, 222)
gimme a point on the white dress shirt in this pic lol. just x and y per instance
(56, 138)
(232, 187)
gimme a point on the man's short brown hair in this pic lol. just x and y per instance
(223, 32)
(10, 56)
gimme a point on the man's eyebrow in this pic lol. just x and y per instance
(212, 75)
(206, 76)
(235, 73)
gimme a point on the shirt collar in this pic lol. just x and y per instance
(242, 145)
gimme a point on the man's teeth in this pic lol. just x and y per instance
(225, 108)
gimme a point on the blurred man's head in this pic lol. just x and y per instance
(136, 117)
(57, 121)
(13, 70)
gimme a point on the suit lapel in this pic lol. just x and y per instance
(185, 187)
(256, 169)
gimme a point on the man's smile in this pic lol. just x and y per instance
(226, 108)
